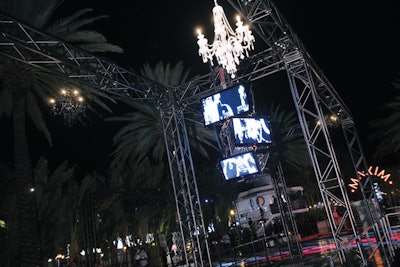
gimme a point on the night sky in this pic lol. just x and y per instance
(356, 45)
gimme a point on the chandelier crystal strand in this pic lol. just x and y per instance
(229, 46)
(70, 105)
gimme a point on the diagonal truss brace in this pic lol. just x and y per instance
(314, 97)
(28, 45)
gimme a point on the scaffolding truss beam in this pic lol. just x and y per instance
(313, 96)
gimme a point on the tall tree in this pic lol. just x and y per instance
(23, 90)
(166, 74)
(290, 151)
(140, 146)
(142, 134)
(60, 199)
(386, 130)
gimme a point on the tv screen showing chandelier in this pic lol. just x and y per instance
(225, 104)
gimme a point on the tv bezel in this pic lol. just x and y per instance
(231, 88)
(253, 155)
(249, 143)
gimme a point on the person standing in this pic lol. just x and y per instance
(144, 258)
(226, 239)
(119, 243)
(230, 169)
(244, 106)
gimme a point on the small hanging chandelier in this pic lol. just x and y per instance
(69, 105)
(229, 46)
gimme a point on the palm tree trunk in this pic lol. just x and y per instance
(28, 251)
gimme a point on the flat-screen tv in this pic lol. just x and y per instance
(249, 131)
(225, 104)
(239, 165)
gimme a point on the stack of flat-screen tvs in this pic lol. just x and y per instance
(232, 104)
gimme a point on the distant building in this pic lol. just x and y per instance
(260, 204)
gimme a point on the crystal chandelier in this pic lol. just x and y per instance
(229, 46)
(69, 105)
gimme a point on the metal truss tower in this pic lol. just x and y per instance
(316, 100)
(314, 97)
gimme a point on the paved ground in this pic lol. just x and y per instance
(309, 260)
(316, 253)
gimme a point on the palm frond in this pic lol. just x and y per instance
(73, 22)
(35, 114)
(386, 130)
(24, 10)
(5, 101)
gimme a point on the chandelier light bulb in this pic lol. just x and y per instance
(229, 46)
(70, 105)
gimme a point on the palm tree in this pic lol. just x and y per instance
(22, 92)
(166, 74)
(142, 135)
(8, 204)
(386, 131)
(291, 152)
(140, 152)
(60, 200)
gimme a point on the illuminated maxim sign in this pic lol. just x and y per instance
(373, 171)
